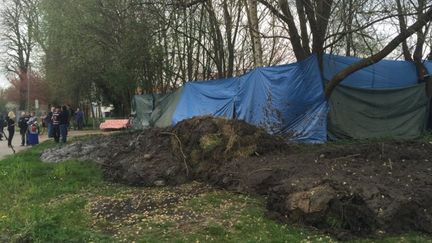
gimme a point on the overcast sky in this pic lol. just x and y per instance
(3, 80)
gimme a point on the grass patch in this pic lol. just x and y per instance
(28, 189)
(70, 202)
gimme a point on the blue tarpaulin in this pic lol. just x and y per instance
(385, 74)
(286, 100)
(428, 65)
(214, 97)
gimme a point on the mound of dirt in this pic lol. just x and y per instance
(135, 158)
(208, 143)
(359, 189)
(169, 156)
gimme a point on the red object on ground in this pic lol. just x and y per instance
(114, 124)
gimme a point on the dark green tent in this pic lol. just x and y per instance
(154, 110)
(372, 113)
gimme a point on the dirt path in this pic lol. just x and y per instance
(4, 150)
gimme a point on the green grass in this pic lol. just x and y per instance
(54, 202)
(27, 187)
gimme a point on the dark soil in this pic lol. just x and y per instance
(144, 202)
(359, 189)
(134, 158)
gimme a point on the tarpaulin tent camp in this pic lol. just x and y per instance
(285, 100)
(142, 108)
(382, 100)
(381, 75)
(154, 110)
(165, 106)
(372, 113)
(214, 97)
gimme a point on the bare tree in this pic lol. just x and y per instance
(311, 14)
(18, 21)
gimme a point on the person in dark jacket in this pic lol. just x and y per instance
(48, 122)
(71, 119)
(64, 123)
(79, 119)
(22, 124)
(56, 124)
(11, 127)
(2, 126)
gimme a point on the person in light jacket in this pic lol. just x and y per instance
(33, 130)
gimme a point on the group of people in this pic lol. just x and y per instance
(57, 120)
(28, 128)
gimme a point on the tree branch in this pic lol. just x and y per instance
(339, 77)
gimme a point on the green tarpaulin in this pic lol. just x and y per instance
(165, 106)
(142, 108)
(374, 113)
(154, 110)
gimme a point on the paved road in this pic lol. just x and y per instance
(5, 150)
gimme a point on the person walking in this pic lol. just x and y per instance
(33, 130)
(79, 118)
(10, 119)
(2, 126)
(22, 124)
(56, 124)
(64, 123)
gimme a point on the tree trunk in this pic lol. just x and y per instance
(288, 18)
(218, 42)
(403, 26)
(303, 26)
(252, 13)
(23, 89)
(230, 43)
(418, 52)
(348, 28)
(339, 77)
(318, 22)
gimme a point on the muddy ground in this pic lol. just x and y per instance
(360, 189)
